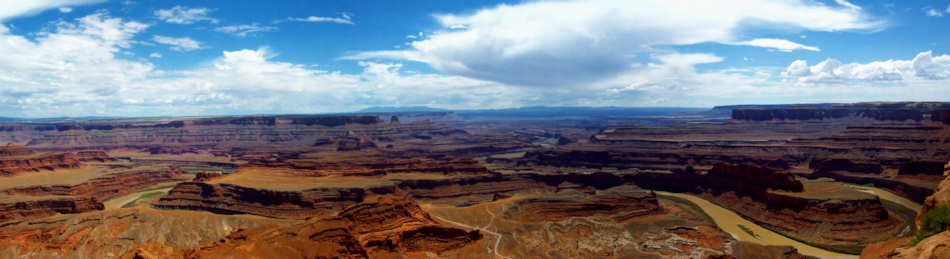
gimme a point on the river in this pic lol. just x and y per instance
(118, 202)
(729, 221)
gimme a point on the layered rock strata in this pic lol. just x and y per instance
(19, 159)
(235, 199)
(380, 227)
(105, 187)
(15, 209)
(620, 203)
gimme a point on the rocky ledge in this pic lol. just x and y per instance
(380, 227)
(621, 203)
(235, 199)
(774, 198)
(105, 187)
(15, 209)
(932, 239)
(15, 159)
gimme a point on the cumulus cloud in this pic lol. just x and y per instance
(570, 43)
(343, 19)
(245, 29)
(67, 65)
(923, 67)
(65, 10)
(79, 67)
(178, 44)
(76, 69)
(185, 15)
(155, 55)
(11, 9)
(777, 44)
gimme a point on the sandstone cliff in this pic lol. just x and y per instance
(922, 246)
(235, 199)
(19, 159)
(14, 209)
(105, 187)
(380, 227)
(622, 202)
(940, 197)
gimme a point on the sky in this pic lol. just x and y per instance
(186, 58)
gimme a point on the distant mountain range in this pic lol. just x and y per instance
(544, 111)
(378, 109)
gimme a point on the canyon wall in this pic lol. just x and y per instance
(234, 199)
(16, 159)
(18, 209)
(379, 227)
(898, 111)
(105, 187)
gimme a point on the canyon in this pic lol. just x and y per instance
(440, 184)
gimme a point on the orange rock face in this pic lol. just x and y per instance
(15, 211)
(205, 176)
(936, 246)
(106, 187)
(380, 227)
(14, 150)
(622, 202)
(234, 199)
(15, 159)
(940, 197)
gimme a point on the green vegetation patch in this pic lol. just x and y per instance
(935, 221)
(143, 196)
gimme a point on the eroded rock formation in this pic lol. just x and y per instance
(381, 226)
(105, 187)
(15, 159)
(14, 209)
(940, 197)
(234, 199)
(900, 111)
(621, 203)
(935, 246)
(205, 176)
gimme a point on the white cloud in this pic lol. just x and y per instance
(847, 4)
(74, 63)
(778, 44)
(184, 15)
(178, 44)
(571, 43)
(933, 12)
(155, 55)
(11, 9)
(65, 10)
(77, 69)
(343, 19)
(245, 29)
(923, 67)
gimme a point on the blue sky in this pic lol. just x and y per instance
(149, 58)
